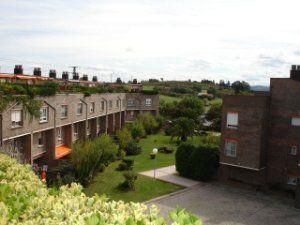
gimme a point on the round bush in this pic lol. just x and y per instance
(133, 148)
(204, 161)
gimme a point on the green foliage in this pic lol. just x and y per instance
(124, 136)
(87, 156)
(199, 163)
(214, 116)
(183, 128)
(240, 86)
(150, 92)
(130, 178)
(149, 122)
(133, 148)
(24, 199)
(137, 130)
(48, 89)
(126, 164)
(181, 217)
(182, 159)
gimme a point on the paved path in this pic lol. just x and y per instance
(218, 204)
(170, 175)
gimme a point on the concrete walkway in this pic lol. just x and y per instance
(169, 174)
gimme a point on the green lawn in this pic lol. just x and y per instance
(167, 98)
(146, 187)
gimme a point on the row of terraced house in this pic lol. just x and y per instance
(66, 118)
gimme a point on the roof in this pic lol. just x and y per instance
(61, 151)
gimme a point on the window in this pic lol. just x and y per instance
(148, 102)
(232, 120)
(59, 133)
(131, 115)
(92, 107)
(40, 140)
(76, 128)
(230, 148)
(64, 111)
(130, 102)
(295, 121)
(110, 104)
(79, 109)
(102, 105)
(294, 150)
(44, 114)
(291, 180)
(16, 118)
(117, 104)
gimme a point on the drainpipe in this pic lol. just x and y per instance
(106, 117)
(54, 125)
(86, 116)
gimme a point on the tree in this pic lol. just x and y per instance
(124, 137)
(183, 128)
(137, 130)
(134, 81)
(240, 86)
(119, 81)
(214, 116)
(149, 122)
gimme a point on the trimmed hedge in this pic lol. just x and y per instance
(199, 163)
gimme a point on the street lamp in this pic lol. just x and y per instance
(154, 152)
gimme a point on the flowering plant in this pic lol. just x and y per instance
(24, 199)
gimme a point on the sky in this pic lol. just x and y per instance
(249, 40)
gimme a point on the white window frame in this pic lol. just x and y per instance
(59, 133)
(44, 111)
(228, 150)
(130, 102)
(294, 150)
(75, 134)
(295, 121)
(17, 118)
(63, 111)
(148, 102)
(79, 109)
(92, 107)
(234, 123)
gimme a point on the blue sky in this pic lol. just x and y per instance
(248, 40)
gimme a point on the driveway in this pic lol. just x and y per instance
(220, 204)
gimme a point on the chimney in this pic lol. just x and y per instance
(52, 74)
(18, 70)
(95, 79)
(75, 76)
(37, 71)
(65, 75)
(295, 72)
(85, 78)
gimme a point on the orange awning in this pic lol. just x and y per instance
(61, 151)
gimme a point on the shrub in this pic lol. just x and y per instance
(182, 159)
(24, 199)
(122, 166)
(126, 164)
(137, 130)
(149, 123)
(204, 161)
(124, 136)
(199, 163)
(133, 148)
(86, 157)
(129, 183)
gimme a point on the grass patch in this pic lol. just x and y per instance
(146, 187)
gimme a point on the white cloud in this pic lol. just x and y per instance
(176, 39)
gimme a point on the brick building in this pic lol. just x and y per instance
(260, 141)
(66, 118)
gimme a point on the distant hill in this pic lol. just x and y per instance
(260, 88)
